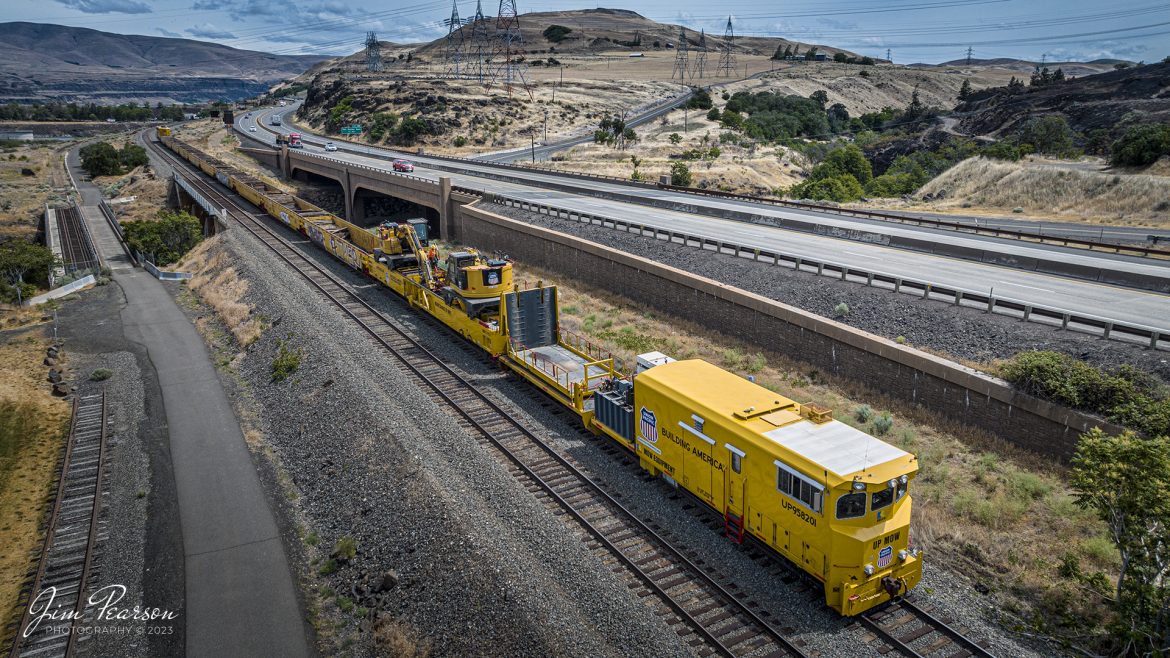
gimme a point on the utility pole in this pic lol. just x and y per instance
(680, 57)
(727, 65)
(545, 125)
(453, 52)
(532, 138)
(373, 53)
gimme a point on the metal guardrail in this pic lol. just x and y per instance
(932, 223)
(1153, 337)
(112, 220)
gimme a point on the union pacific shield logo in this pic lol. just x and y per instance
(885, 556)
(649, 426)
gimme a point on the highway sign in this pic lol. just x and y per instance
(351, 130)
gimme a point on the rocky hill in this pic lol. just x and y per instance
(1139, 94)
(40, 62)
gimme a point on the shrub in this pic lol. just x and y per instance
(864, 413)
(680, 175)
(713, 114)
(676, 138)
(460, 141)
(1049, 135)
(101, 374)
(167, 238)
(22, 265)
(892, 185)
(883, 423)
(556, 33)
(328, 567)
(1002, 150)
(1141, 145)
(345, 549)
(286, 362)
(841, 310)
(841, 188)
(1126, 396)
(700, 99)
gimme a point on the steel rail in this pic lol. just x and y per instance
(286, 251)
(935, 625)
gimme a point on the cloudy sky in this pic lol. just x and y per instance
(913, 30)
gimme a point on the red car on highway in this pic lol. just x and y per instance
(403, 165)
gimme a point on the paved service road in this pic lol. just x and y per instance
(1075, 295)
(241, 599)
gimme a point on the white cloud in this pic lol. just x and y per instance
(108, 6)
(167, 33)
(209, 31)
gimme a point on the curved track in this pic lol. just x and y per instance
(74, 531)
(716, 620)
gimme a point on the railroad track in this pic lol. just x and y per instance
(713, 620)
(74, 532)
(908, 628)
(76, 246)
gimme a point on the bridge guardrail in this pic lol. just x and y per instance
(1153, 337)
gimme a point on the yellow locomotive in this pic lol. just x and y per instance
(830, 498)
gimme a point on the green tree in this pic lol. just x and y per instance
(133, 156)
(850, 160)
(839, 187)
(1049, 135)
(100, 159)
(556, 33)
(965, 90)
(779, 54)
(675, 138)
(23, 264)
(820, 96)
(840, 58)
(680, 175)
(1141, 145)
(166, 238)
(713, 114)
(1125, 479)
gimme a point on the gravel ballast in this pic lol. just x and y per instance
(965, 333)
(481, 566)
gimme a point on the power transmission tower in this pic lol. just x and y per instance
(888, 56)
(727, 57)
(700, 66)
(373, 53)
(968, 55)
(508, 45)
(680, 57)
(478, 52)
(453, 53)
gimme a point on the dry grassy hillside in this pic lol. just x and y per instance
(1061, 190)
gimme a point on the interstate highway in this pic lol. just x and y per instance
(486, 163)
(1078, 296)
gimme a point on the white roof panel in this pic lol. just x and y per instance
(835, 446)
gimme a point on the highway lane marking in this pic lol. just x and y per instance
(1020, 285)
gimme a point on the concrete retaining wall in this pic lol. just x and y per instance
(948, 388)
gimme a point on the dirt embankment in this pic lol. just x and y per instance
(1073, 191)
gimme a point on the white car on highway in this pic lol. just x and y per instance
(251, 129)
(330, 146)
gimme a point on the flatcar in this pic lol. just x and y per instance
(832, 499)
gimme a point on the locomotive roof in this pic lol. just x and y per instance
(772, 418)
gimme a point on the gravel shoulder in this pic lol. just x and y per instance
(965, 334)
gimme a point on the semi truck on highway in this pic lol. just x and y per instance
(274, 120)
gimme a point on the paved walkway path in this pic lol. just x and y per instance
(240, 595)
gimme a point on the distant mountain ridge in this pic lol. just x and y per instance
(44, 62)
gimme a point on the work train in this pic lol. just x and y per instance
(831, 499)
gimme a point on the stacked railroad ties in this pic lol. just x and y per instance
(828, 497)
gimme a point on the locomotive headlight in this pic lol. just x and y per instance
(893, 484)
(903, 554)
(903, 479)
(858, 486)
(868, 569)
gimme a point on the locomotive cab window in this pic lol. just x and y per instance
(736, 462)
(882, 499)
(851, 506)
(799, 487)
